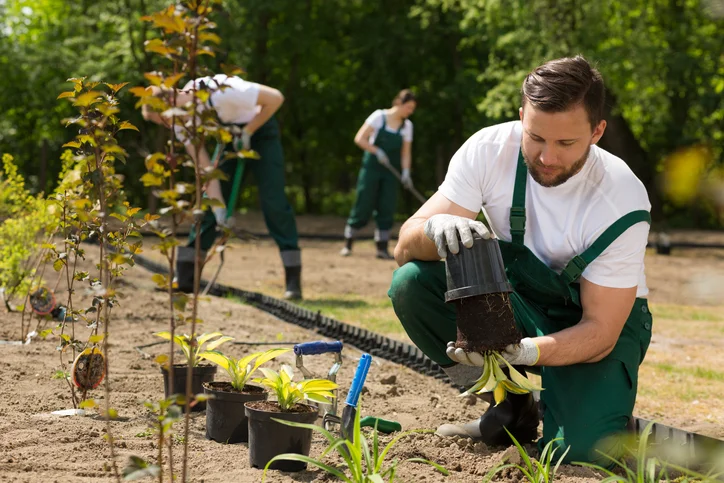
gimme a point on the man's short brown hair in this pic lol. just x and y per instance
(562, 84)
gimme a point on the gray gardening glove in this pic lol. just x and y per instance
(382, 157)
(406, 179)
(243, 141)
(443, 230)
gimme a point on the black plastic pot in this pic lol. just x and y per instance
(199, 375)
(226, 420)
(479, 288)
(268, 438)
(476, 270)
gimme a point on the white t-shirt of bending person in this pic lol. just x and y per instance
(233, 99)
(561, 221)
(375, 120)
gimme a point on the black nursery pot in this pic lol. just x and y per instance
(479, 288)
(226, 420)
(268, 438)
(476, 270)
(199, 375)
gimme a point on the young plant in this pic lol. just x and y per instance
(364, 464)
(289, 393)
(494, 379)
(649, 468)
(534, 470)
(241, 370)
(193, 346)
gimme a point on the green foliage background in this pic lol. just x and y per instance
(337, 60)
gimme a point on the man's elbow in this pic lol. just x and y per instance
(604, 353)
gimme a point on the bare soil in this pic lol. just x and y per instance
(36, 446)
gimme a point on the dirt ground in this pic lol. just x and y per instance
(36, 446)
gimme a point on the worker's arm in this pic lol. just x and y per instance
(270, 100)
(406, 154)
(605, 311)
(362, 138)
(213, 189)
(413, 244)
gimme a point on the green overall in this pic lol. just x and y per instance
(376, 185)
(583, 403)
(269, 174)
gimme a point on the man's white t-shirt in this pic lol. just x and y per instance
(375, 120)
(561, 221)
(233, 99)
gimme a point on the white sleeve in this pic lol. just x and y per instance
(464, 179)
(407, 131)
(375, 119)
(620, 265)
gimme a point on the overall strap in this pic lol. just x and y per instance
(578, 264)
(517, 210)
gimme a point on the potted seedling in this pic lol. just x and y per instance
(479, 288)
(364, 459)
(194, 352)
(226, 420)
(269, 438)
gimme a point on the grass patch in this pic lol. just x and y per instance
(685, 312)
(700, 372)
(372, 314)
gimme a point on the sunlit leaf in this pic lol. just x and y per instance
(87, 98)
(87, 404)
(63, 95)
(71, 144)
(117, 87)
(94, 339)
(127, 125)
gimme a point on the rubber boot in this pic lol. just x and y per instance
(347, 250)
(382, 251)
(518, 413)
(293, 277)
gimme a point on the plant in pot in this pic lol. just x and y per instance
(268, 437)
(226, 420)
(479, 288)
(194, 352)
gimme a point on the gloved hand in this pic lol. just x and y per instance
(526, 353)
(406, 179)
(382, 157)
(220, 215)
(443, 230)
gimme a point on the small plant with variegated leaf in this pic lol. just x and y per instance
(241, 370)
(494, 379)
(193, 346)
(289, 393)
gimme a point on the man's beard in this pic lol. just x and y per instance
(561, 175)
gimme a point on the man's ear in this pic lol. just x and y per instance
(520, 112)
(598, 132)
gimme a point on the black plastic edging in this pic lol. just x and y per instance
(409, 355)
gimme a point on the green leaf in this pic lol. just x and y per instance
(137, 468)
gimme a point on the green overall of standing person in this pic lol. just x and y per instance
(386, 138)
(572, 222)
(247, 109)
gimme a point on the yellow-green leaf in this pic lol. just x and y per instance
(154, 79)
(127, 125)
(217, 358)
(117, 87)
(172, 80)
(71, 144)
(94, 339)
(161, 359)
(63, 95)
(211, 37)
(87, 404)
(139, 91)
(150, 179)
(161, 280)
(216, 343)
(157, 46)
(87, 98)
(150, 217)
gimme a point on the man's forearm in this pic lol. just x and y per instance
(412, 243)
(582, 343)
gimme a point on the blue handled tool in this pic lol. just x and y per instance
(316, 348)
(350, 409)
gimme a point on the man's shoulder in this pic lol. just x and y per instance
(616, 183)
(507, 133)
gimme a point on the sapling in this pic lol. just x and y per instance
(186, 34)
(289, 393)
(97, 197)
